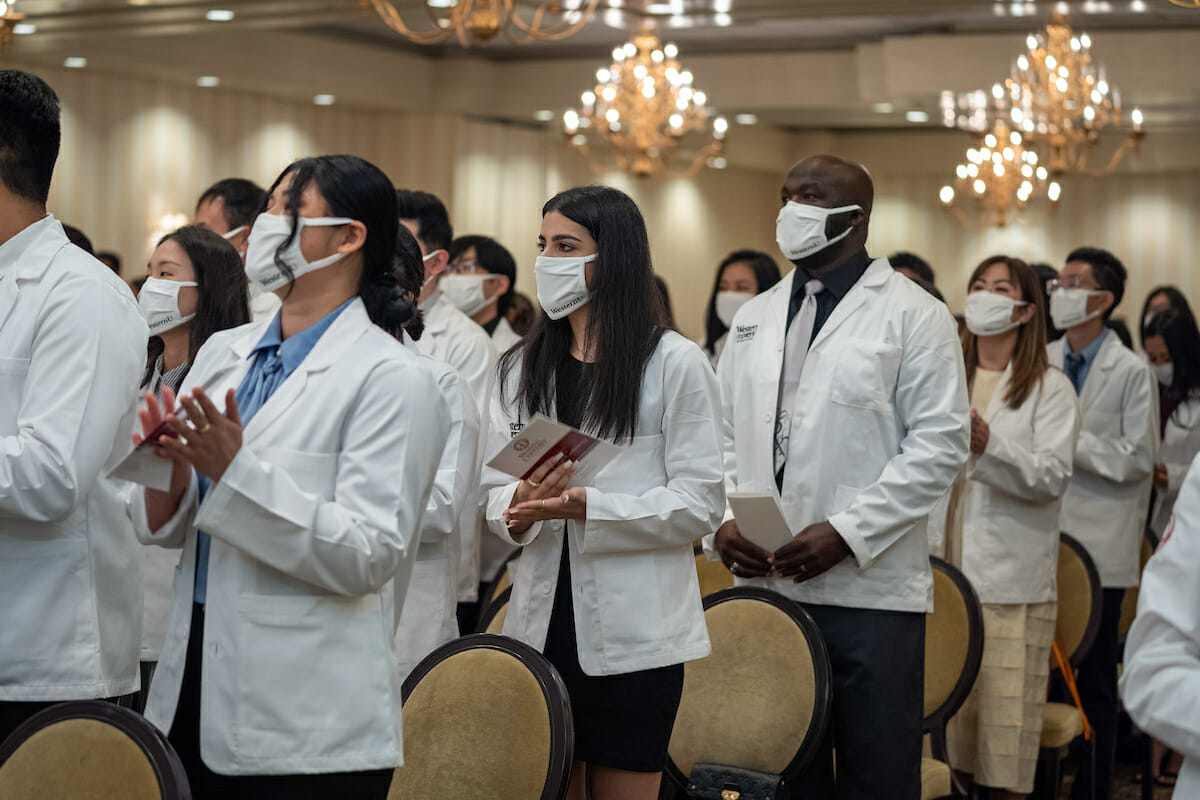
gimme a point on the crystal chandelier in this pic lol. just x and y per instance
(480, 21)
(1059, 97)
(642, 107)
(8, 21)
(1001, 175)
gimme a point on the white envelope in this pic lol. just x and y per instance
(760, 519)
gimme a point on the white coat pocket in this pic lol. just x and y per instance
(866, 374)
(45, 581)
(13, 372)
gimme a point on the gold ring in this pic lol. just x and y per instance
(532, 483)
(207, 425)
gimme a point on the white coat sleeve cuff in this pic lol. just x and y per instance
(844, 524)
(500, 500)
(709, 543)
(173, 531)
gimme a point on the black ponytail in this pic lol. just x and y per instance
(409, 271)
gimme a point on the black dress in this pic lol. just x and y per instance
(621, 721)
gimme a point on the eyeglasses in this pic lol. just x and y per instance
(1066, 282)
(464, 267)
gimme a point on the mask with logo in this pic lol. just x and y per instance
(465, 292)
(800, 229)
(272, 230)
(158, 301)
(1068, 307)
(990, 314)
(562, 284)
(728, 304)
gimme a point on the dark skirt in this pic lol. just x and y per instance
(621, 721)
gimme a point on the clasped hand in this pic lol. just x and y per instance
(813, 551)
(544, 495)
(207, 441)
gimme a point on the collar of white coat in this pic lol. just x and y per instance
(344, 331)
(997, 398)
(875, 277)
(26, 254)
(439, 315)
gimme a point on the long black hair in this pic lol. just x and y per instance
(357, 189)
(410, 276)
(1178, 329)
(1178, 302)
(766, 272)
(626, 319)
(221, 289)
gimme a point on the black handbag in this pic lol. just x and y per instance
(723, 782)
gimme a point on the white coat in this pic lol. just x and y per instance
(1013, 493)
(1180, 444)
(634, 588)
(494, 552)
(455, 338)
(879, 432)
(310, 523)
(1161, 681)
(1109, 495)
(504, 337)
(428, 619)
(72, 351)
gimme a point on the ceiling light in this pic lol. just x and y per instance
(883, 108)
(916, 116)
(219, 15)
(75, 62)
(441, 3)
(746, 119)
(545, 115)
(722, 6)
(659, 8)
(323, 100)
(1137, 6)
(208, 81)
(722, 20)
(24, 28)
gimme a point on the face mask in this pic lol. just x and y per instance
(1164, 372)
(728, 304)
(1068, 307)
(562, 284)
(800, 229)
(272, 230)
(159, 304)
(229, 236)
(990, 314)
(465, 292)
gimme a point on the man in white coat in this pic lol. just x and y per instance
(1161, 684)
(72, 351)
(453, 337)
(1108, 498)
(843, 388)
(229, 208)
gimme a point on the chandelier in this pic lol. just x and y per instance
(8, 21)
(1001, 175)
(642, 107)
(1060, 97)
(480, 21)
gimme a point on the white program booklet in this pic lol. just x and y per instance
(760, 519)
(543, 439)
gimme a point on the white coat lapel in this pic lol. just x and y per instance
(31, 266)
(875, 276)
(1097, 377)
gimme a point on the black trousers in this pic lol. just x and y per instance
(206, 784)
(1097, 684)
(878, 660)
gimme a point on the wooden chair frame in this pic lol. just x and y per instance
(489, 613)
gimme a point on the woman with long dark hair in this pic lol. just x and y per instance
(1160, 299)
(296, 505)
(743, 274)
(607, 584)
(195, 286)
(1172, 344)
(1004, 520)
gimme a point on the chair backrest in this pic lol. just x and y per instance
(713, 575)
(953, 645)
(1079, 600)
(485, 716)
(1129, 601)
(93, 750)
(762, 699)
(502, 582)
(492, 618)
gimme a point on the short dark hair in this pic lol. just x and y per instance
(79, 239)
(913, 262)
(1107, 270)
(112, 259)
(30, 134)
(244, 200)
(495, 258)
(433, 223)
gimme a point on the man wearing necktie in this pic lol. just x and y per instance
(843, 390)
(1106, 503)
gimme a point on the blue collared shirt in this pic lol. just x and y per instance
(1079, 376)
(274, 360)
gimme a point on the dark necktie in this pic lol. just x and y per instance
(1072, 366)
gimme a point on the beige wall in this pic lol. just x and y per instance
(138, 149)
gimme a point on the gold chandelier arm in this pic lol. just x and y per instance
(1132, 142)
(535, 32)
(391, 17)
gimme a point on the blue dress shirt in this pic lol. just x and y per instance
(1078, 365)
(274, 360)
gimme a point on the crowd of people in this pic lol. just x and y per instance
(321, 371)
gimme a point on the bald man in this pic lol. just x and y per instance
(843, 390)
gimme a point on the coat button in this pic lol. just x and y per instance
(546, 589)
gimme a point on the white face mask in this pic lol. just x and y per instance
(272, 230)
(728, 304)
(159, 304)
(562, 284)
(465, 292)
(990, 314)
(800, 229)
(1068, 307)
(1164, 372)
